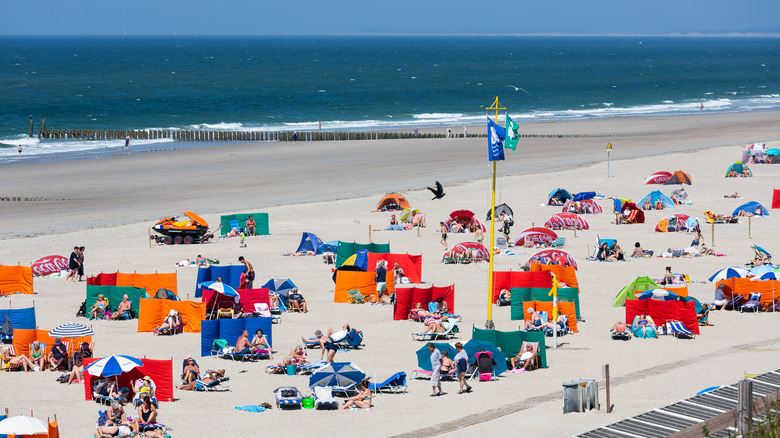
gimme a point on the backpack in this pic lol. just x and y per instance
(63, 378)
(82, 310)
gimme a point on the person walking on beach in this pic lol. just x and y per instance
(443, 235)
(295, 137)
(20, 150)
(436, 368)
(127, 145)
(249, 272)
(462, 362)
(73, 264)
(81, 263)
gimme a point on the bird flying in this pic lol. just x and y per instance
(518, 88)
(438, 192)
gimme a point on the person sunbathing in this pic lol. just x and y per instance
(122, 310)
(659, 205)
(638, 251)
(98, 309)
(77, 373)
(604, 252)
(147, 412)
(555, 201)
(329, 257)
(398, 273)
(385, 297)
(644, 326)
(706, 250)
(504, 297)
(733, 173)
(524, 357)
(297, 301)
(437, 326)
(647, 205)
(301, 253)
(296, 357)
(362, 399)
(617, 254)
(534, 322)
(233, 233)
(620, 328)
(260, 343)
(447, 365)
(274, 298)
(734, 196)
(116, 416)
(38, 356)
(328, 342)
(420, 312)
(58, 356)
(456, 227)
(243, 346)
(22, 359)
(171, 321)
(212, 377)
(201, 261)
(191, 371)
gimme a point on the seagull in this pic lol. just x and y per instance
(518, 88)
(438, 192)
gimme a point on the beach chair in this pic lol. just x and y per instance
(561, 330)
(288, 397)
(535, 348)
(7, 366)
(226, 312)
(425, 374)
(678, 329)
(446, 334)
(753, 304)
(733, 303)
(394, 384)
(501, 242)
(171, 331)
(323, 398)
(355, 297)
(414, 316)
(262, 309)
(704, 317)
(214, 385)
(621, 336)
(311, 343)
(234, 226)
(484, 368)
(543, 318)
(352, 341)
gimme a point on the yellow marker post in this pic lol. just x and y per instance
(489, 323)
(609, 149)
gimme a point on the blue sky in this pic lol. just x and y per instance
(330, 17)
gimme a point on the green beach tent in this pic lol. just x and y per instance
(628, 293)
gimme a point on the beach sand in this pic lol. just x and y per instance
(330, 188)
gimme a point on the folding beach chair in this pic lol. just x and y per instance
(171, 331)
(678, 329)
(704, 316)
(396, 383)
(733, 303)
(425, 374)
(543, 318)
(501, 243)
(323, 398)
(7, 366)
(261, 309)
(753, 304)
(561, 330)
(355, 297)
(288, 397)
(214, 385)
(446, 334)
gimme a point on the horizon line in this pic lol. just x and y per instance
(465, 35)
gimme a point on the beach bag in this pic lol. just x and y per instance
(63, 378)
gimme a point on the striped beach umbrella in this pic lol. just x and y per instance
(71, 330)
(219, 287)
(340, 374)
(23, 425)
(732, 272)
(113, 366)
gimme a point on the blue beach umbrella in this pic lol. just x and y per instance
(658, 294)
(771, 275)
(761, 270)
(473, 346)
(219, 287)
(341, 374)
(773, 151)
(424, 356)
(71, 330)
(732, 272)
(113, 366)
(582, 196)
(282, 286)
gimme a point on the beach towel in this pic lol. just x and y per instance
(251, 408)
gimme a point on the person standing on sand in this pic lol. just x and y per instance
(127, 145)
(295, 137)
(443, 235)
(436, 368)
(73, 264)
(81, 263)
(449, 131)
(249, 271)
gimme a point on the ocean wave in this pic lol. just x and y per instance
(57, 146)
(220, 126)
(436, 115)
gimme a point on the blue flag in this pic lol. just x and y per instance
(496, 135)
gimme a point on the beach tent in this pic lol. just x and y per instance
(567, 275)
(640, 284)
(502, 208)
(392, 202)
(525, 294)
(459, 250)
(260, 218)
(564, 308)
(654, 197)
(679, 177)
(567, 221)
(310, 242)
(230, 275)
(364, 282)
(751, 209)
(346, 249)
(739, 167)
(510, 343)
(523, 279)
(406, 299)
(675, 222)
(536, 235)
(588, 206)
(160, 371)
(20, 318)
(230, 330)
(560, 194)
(114, 295)
(658, 178)
(466, 218)
(411, 264)
(16, 280)
(636, 215)
(662, 311)
(583, 196)
(24, 337)
(359, 260)
(562, 257)
(282, 286)
(152, 313)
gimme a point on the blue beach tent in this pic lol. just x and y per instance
(310, 242)
(752, 208)
(561, 194)
(654, 196)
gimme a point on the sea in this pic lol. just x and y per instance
(359, 83)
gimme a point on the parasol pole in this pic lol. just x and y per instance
(489, 323)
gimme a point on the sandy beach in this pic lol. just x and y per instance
(330, 188)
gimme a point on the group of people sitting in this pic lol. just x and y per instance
(610, 253)
(649, 205)
(101, 310)
(643, 326)
(56, 359)
(534, 321)
(579, 207)
(745, 173)
(458, 226)
(118, 423)
(328, 344)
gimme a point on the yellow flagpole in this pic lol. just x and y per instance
(489, 323)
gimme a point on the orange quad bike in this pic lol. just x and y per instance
(173, 231)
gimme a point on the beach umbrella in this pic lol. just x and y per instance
(658, 294)
(23, 425)
(341, 374)
(567, 220)
(113, 366)
(773, 151)
(769, 276)
(474, 346)
(758, 271)
(536, 235)
(553, 254)
(282, 286)
(424, 356)
(71, 330)
(479, 251)
(582, 196)
(732, 272)
(220, 287)
(658, 178)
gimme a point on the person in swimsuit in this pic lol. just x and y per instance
(191, 371)
(249, 271)
(123, 309)
(37, 356)
(446, 363)
(443, 235)
(362, 400)
(437, 327)
(99, 308)
(535, 323)
(77, 373)
(147, 413)
(259, 342)
(478, 234)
